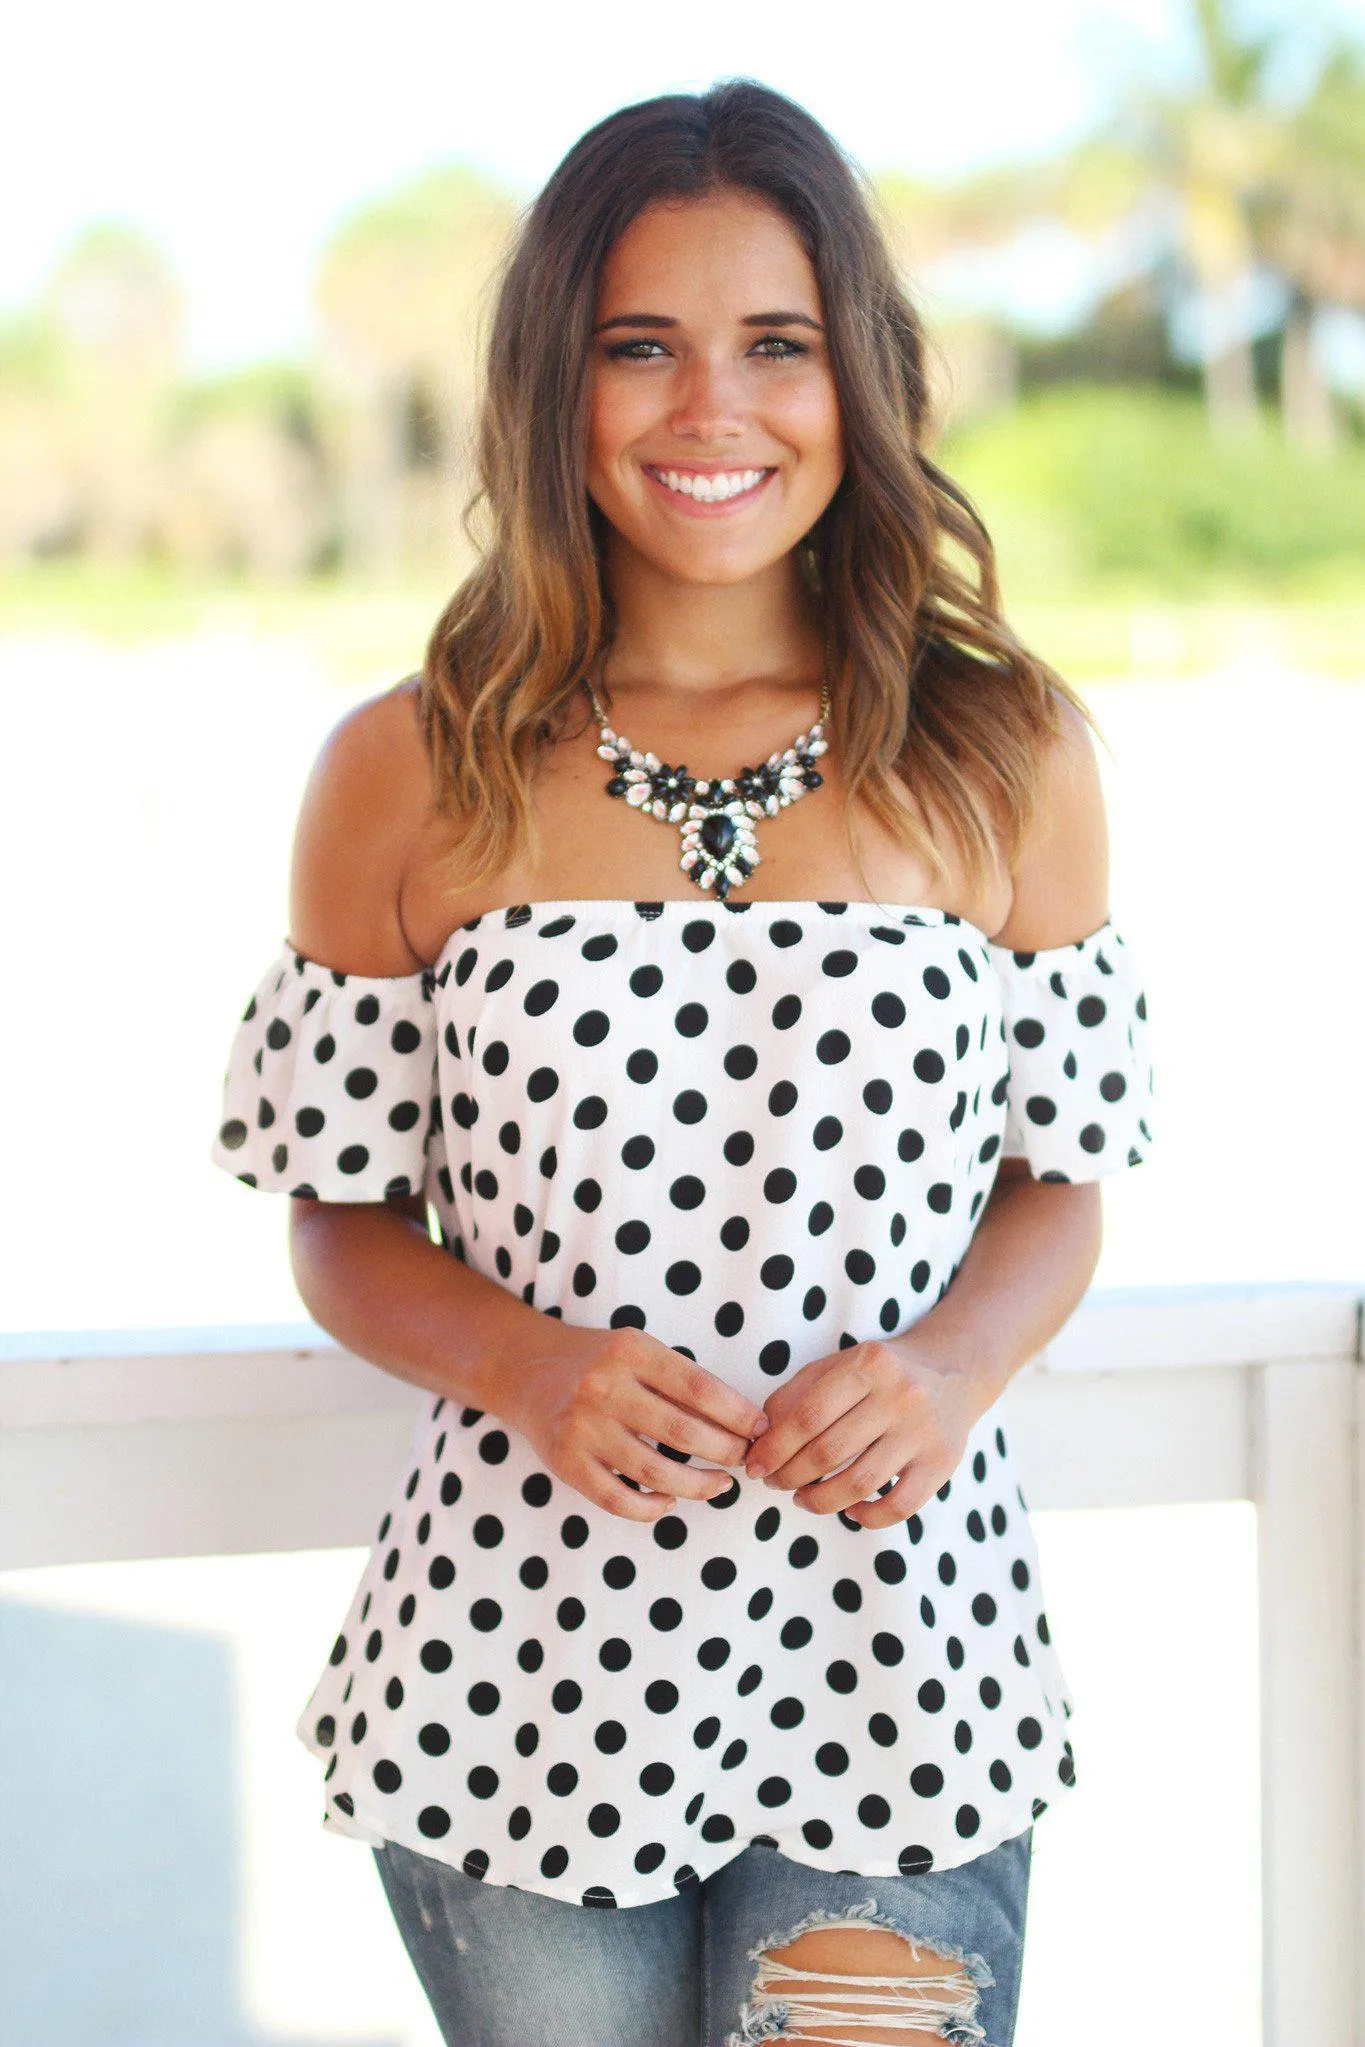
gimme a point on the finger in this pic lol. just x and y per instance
(650, 1414)
(852, 1431)
(607, 1490)
(906, 1497)
(826, 1391)
(690, 1385)
(657, 1473)
(857, 1482)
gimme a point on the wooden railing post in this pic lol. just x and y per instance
(1304, 1474)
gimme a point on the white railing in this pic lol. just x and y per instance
(122, 1444)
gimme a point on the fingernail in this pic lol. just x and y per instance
(764, 1422)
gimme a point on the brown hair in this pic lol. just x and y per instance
(926, 678)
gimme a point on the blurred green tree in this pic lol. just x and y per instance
(113, 316)
(400, 292)
(246, 488)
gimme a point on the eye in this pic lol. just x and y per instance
(782, 341)
(625, 350)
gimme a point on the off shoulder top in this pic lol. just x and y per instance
(762, 1131)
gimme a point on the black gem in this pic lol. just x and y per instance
(617, 786)
(718, 834)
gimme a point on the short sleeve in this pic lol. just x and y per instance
(330, 1084)
(1080, 1073)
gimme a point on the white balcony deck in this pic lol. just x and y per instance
(121, 1445)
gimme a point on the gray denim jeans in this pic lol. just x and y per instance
(505, 1967)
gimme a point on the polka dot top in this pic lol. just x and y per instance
(763, 1131)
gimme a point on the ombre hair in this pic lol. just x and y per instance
(927, 681)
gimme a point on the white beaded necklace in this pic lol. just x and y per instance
(719, 843)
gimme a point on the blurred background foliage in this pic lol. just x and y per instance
(1183, 420)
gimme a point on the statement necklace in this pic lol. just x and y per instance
(719, 844)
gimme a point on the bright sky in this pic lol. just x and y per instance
(238, 137)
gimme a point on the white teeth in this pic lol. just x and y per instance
(710, 490)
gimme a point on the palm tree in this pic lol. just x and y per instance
(1254, 183)
(1210, 151)
(1217, 183)
(1173, 169)
(1310, 225)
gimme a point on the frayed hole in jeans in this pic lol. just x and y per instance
(937, 1998)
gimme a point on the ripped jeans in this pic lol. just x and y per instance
(504, 1967)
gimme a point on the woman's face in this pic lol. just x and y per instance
(714, 439)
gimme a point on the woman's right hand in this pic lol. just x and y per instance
(586, 1402)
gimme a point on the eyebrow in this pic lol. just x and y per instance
(749, 320)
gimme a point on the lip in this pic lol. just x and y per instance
(691, 507)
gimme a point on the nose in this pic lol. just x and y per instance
(708, 402)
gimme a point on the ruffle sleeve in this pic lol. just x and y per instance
(1080, 1072)
(330, 1089)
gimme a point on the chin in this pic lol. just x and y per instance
(722, 561)
(715, 574)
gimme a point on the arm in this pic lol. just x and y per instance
(372, 1277)
(369, 1273)
(1021, 1279)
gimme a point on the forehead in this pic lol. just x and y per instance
(730, 253)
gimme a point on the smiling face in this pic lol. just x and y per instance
(714, 430)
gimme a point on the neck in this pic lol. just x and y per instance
(708, 651)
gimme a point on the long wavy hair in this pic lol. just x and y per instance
(927, 680)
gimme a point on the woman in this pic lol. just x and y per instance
(762, 1146)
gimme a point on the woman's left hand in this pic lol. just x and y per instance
(889, 1406)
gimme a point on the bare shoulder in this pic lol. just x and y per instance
(363, 807)
(1061, 875)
